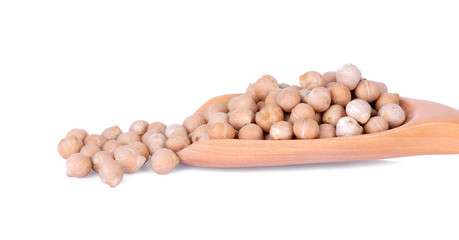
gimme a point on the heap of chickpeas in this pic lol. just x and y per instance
(333, 104)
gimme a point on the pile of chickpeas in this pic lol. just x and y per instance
(333, 104)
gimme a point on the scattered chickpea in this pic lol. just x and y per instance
(128, 137)
(311, 79)
(164, 161)
(158, 127)
(242, 101)
(111, 173)
(376, 124)
(112, 133)
(327, 131)
(129, 158)
(192, 122)
(221, 131)
(200, 134)
(98, 158)
(251, 132)
(218, 117)
(155, 142)
(319, 99)
(177, 143)
(349, 75)
(79, 133)
(251, 92)
(111, 145)
(367, 90)
(269, 115)
(141, 147)
(340, 94)
(69, 146)
(211, 110)
(348, 126)
(272, 96)
(281, 131)
(359, 109)
(333, 114)
(175, 129)
(302, 110)
(139, 127)
(95, 139)
(393, 114)
(288, 99)
(329, 77)
(387, 98)
(306, 128)
(78, 165)
(241, 117)
(90, 150)
(264, 85)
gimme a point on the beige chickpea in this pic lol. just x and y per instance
(281, 131)
(251, 92)
(139, 127)
(367, 90)
(242, 101)
(98, 158)
(69, 146)
(141, 147)
(129, 158)
(264, 85)
(272, 96)
(164, 161)
(302, 110)
(288, 99)
(241, 117)
(319, 99)
(318, 117)
(221, 131)
(311, 79)
(175, 129)
(90, 150)
(112, 133)
(78, 165)
(303, 93)
(200, 134)
(327, 131)
(148, 134)
(261, 104)
(111, 145)
(329, 77)
(128, 137)
(387, 98)
(158, 127)
(393, 114)
(95, 139)
(359, 109)
(349, 75)
(295, 88)
(284, 85)
(155, 142)
(192, 122)
(333, 114)
(111, 173)
(177, 143)
(381, 87)
(79, 133)
(340, 94)
(348, 126)
(269, 115)
(328, 85)
(376, 124)
(306, 128)
(218, 117)
(251, 132)
(211, 110)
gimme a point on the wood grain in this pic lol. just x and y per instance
(430, 128)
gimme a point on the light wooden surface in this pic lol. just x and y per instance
(430, 128)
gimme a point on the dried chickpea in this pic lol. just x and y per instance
(78, 165)
(155, 142)
(211, 110)
(241, 117)
(218, 117)
(306, 128)
(90, 150)
(141, 147)
(192, 122)
(264, 85)
(69, 146)
(387, 98)
(129, 158)
(288, 99)
(175, 129)
(367, 90)
(164, 161)
(349, 75)
(79, 133)
(261, 104)
(269, 115)
(359, 109)
(200, 134)
(303, 93)
(393, 114)
(340, 94)
(221, 131)
(242, 101)
(311, 79)
(95, 139)
(348, 126)
(111, 145)
(177, 143)
(272, 96)
(251, 92)
(251, 132)
(111, 173)
(327, 131)
(382, 87)
(281, 131)
(284, 85)
(112, 133)
(329, 77)
(333, 114)
(148, 134)
(376, 124)
(98, 158)
(139, 127)
(128, 137)
(302, 110)
(319, 99)
(295, 88)
(158, 127)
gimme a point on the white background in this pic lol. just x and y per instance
(95, 64)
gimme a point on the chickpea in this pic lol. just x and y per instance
(90, 150)
(241, 117)
(139, 127)
(221, 131)
(218, 117)
(367, 90)
(348, 126)
(164, 161)
(349, 75)
(306, 128)
(95, 139)
(333, 114)
(251, 132)
(69, 146)
(281, 131)
(264, 85)
(158, 127)
(111, 173)
(211, 110)
(242, 101)
(98, 158)
(78, 165)
(302, 110)
(340, 94)
(251, 92)
(148, 135)
(177, 143)
(175, 129)
(79, 133)
(112, 133)
(288, 99)
(141, 147)
(359, 109)
(128, 137)
(327, 131)
(193, 121)
(294, 88)
(382, 87)
(329, 77)
(129, 158)
(319, 99)
(312, 79)
(111, 145)
(376, 124)
(272, 96)
(387, 98)
(269, 115)
(200, 134)
(393, 114)
(303, 93)
(284, 85)
(155, 142)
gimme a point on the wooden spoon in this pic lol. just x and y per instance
(430, 128)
